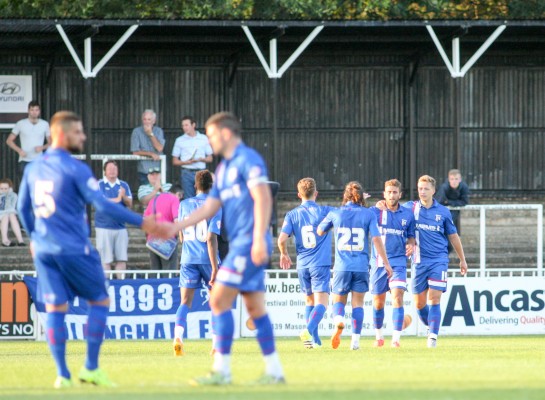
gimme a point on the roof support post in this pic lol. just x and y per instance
(454, 67)
(272, 68)
(86, 68)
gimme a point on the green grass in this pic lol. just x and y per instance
(460, 368)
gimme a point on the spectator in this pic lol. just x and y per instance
(32, 132)
(165, 207)
(112, 238)
(191, 152)
(147, 140)
(454, 193)
(148, 191)
(8, 214)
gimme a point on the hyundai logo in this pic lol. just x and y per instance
(9, 88)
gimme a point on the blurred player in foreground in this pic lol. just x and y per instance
(396, 226)
(313, 256)
(434, 229)
(199, 260)
(241, 187)
(53, 194)
(353, 225)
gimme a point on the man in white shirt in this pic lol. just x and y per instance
(191, 152)
(33, 132)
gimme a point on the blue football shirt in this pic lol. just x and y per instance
(111, 192)
(301, 222)
(432, 225)
(194, 246)
(235, 177)
(353, 226)
(52, 198)
(394, 227)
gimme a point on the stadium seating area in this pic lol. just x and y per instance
(511, 238)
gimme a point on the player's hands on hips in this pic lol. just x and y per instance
(381, 205)
(22, 154)
(285, 261)
(260, 252)
(389, 271)
(463, 267)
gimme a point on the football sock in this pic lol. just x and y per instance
(314, 333)
(338, 312)
(316, 337)
(356, 339)
(396, 336)
(315, 319)
(423, 314)
(435, 320)
(357, 320)
(378, 318)
(308, 313)
(56, 338)
(224, 327)
(222, 363)
(265, 335)
(96, 324)
(398, 314)
(265, 338)
(272, 365)
(181, 321)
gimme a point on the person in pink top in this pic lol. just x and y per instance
(165, 207)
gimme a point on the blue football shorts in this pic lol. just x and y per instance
(345, 282)
(432, 276)
(62, 277)
(314, 279)
(239, 272)
(192, 275)
(380, 283)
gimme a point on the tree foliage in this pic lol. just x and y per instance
(275, 9)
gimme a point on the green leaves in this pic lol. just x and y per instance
(275, 9)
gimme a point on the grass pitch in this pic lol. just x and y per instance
(460, 368)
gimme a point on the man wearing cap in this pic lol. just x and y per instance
(147, 140)
(191, 152)
(153, 188)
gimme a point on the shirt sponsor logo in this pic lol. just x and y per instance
(426, 227)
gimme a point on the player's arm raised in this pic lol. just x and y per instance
(262, 219)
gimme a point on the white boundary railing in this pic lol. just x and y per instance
(482, 208)
(127, 157)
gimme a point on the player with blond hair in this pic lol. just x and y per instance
(434, 229)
